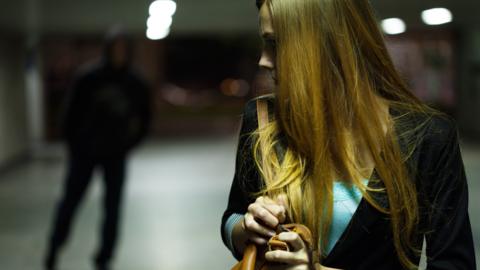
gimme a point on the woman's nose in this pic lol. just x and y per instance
(266, 60)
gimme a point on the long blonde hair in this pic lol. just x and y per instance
(332, 67)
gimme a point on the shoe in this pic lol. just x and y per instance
(50, 261)
(102, 267)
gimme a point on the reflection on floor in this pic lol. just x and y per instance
(176, 193)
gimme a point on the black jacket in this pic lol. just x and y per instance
(367, 243)
(107, 112)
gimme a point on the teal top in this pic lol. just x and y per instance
(346, 199)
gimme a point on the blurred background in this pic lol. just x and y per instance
(200, 63)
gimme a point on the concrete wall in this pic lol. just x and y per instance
(13, 121)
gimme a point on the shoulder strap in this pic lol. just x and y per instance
(262, 113)
(263, 119)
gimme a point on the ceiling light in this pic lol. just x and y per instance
(161, 8)
(159, 22)
(437, 16)
(157, 33)
(393, 26)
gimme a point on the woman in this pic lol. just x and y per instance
(348, 151)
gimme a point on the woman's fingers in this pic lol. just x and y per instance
(258, 240)
(268, 211)
(263, 213)
(292, 258)
(297, 257)
(281, 205)
(293, 239)
(297, 267)
(288, 267)
(282, 200)
(251, 224)
(262, 218)
(277, 210)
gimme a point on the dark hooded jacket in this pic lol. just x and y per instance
(108, 111)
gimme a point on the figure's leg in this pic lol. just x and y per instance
(114, 177)
(78, 177)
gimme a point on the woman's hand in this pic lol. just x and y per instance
(259, 223)
(295, 259)
(262, 219)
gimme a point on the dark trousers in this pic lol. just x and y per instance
(79, 175)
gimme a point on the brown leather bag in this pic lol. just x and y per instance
(252, 260)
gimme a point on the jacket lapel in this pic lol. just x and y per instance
(365, 217)
(362, 222)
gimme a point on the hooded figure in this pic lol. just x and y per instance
(106, 115)
(107, 112)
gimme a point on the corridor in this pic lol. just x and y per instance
(176, 193)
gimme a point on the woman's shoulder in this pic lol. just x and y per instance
(434, 128)
(435, 140)
(440, 130)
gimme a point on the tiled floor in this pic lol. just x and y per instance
(176, 193)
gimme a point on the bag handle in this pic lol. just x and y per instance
(262, 113)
